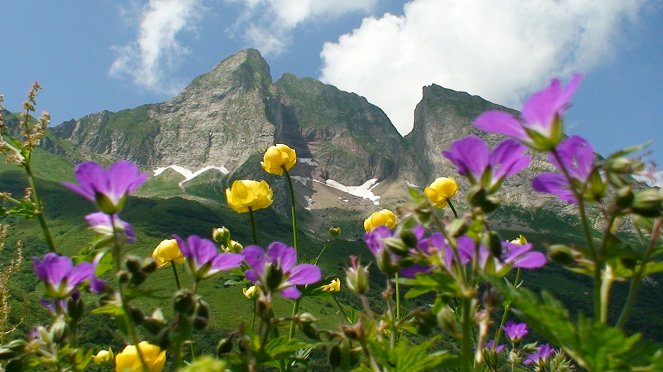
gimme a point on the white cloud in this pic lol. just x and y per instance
(156, 50)
(501, 51)
(267, 24)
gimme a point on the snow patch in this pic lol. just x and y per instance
(189, 175)
(303, 180)
(308, 161)
(363, 191)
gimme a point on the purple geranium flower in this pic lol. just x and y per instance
(61, 277)
(101, 224)
(277, 269)
(515, 331)
(471, 157)
(513, 254)
(574, 155)
(540, 123)
(203, 259)
(107, 188)
(542, 354)
(490, 345)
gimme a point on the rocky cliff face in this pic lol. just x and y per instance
(227, 117)
(224, 117)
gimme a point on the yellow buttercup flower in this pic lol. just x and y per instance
(441, 190)
(278, 157)
(128, 360)
(334, 286)
(167, 251)
(521, 240)
(103, 356)
(384, 217)
(245, 194)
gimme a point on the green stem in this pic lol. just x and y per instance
(452, 208)
(177, 278)
(507, 307)
(398, 298)
(466, 355)
(635, 280)
(293, 212)
(295, 240)
(598, 261)
(295, 309)
(347, 318)
(253, 226)
(116, 252)
(39, 206)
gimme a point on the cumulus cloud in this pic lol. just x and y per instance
(501, 51)
(267, 24)
(156, 50)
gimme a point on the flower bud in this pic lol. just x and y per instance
(221, 234)
(103, 356)
(494, 244)
(356, 276)
(458, 227)
(335, 356)
(184, 302)
(648, 203)
(136, 315)
(58, 330)
(75, 307)
(408, 238)
(335, 231)
(235, 247)
(561, 254)
(625, 196)
(224, 346)
(274, 276)
(310, 331)
(133, 264)
(138, 278)
(149, 265)
(395, 246)
(383, 217)
(249, 292)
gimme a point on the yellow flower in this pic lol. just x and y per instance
(103, 356)
(249, 292)
(334, 286)
(384, 217)
(128, 361)
(521, 240)
(278, 157)
(245, 194)
(441, 190)
(167, 251)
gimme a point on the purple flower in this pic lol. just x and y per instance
(491, 344)
(61, 277)
(471, 157)
(542, 354)
(101, 224)
(203, 259)
(576, 156)
(521, 255)
(277, 269)
(515, 331)
(513, 254)
(107, 188)
(540, 123)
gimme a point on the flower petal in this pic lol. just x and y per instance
(292, 293)
(469, 155)
(304, 274)
(501, 122)
(556, 184)
(255, 258)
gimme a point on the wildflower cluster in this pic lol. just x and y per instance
(476, 312)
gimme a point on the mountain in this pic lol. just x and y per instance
(227, 117)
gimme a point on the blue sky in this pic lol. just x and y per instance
(99, 55)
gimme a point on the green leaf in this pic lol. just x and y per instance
(281, 347)
(427, 282)
(409, 357)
